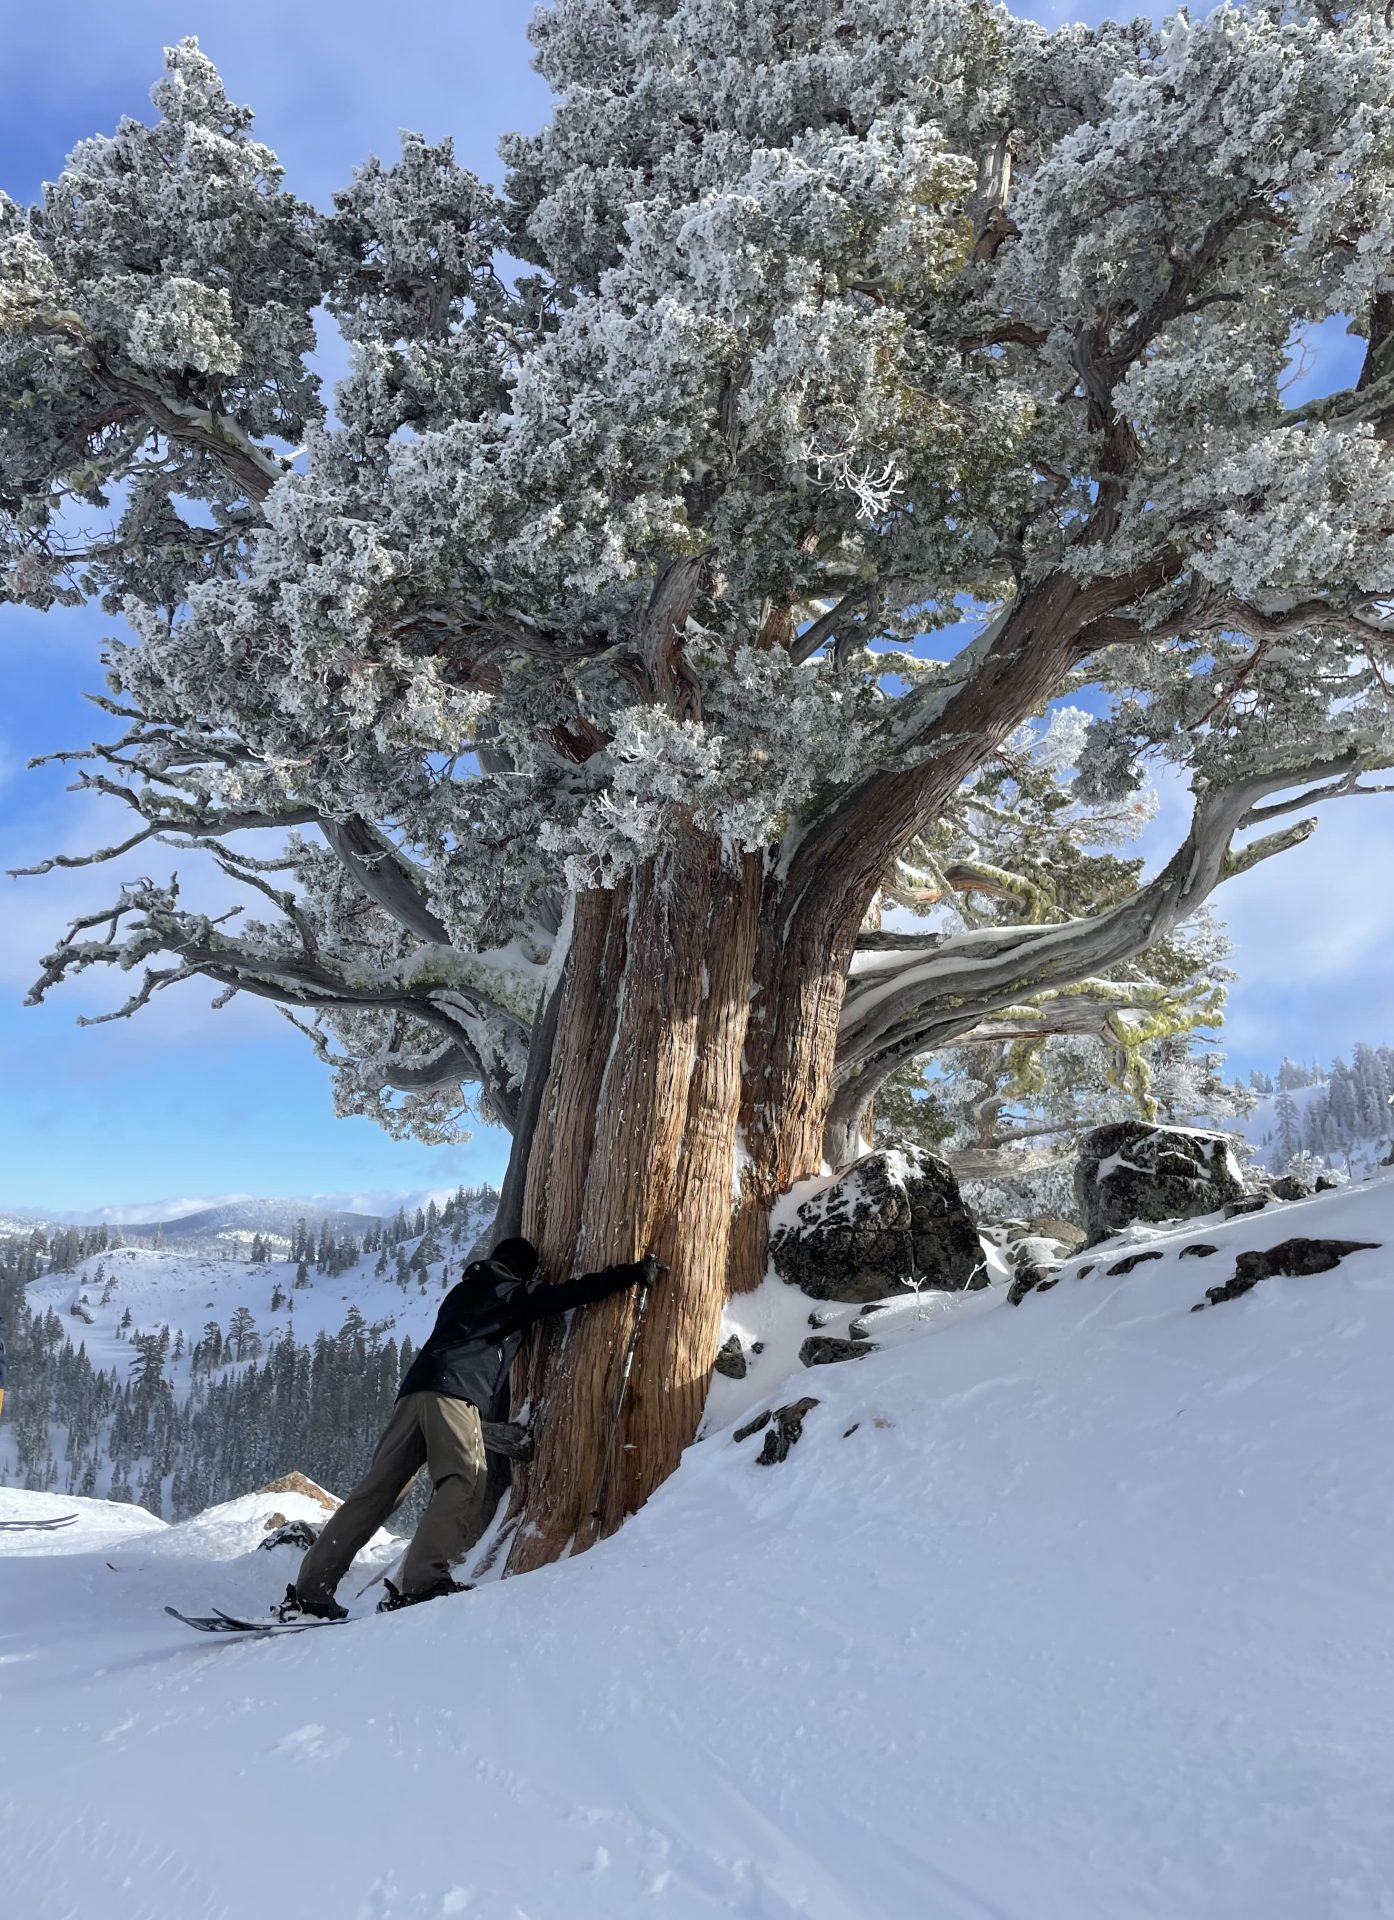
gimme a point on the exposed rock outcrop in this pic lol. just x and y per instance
(824, 1349)
(300, 1483)
(731, 1359)
(1289, 1256)
(1131, 1172)
(894, 1219)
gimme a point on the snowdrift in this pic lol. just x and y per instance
(1071, 1611)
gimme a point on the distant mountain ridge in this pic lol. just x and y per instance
(224, 1216)
(272, 1219)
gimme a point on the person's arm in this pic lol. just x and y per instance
(545, 1298)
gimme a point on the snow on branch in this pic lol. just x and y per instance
(912, 999)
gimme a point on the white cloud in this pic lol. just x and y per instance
(1313, 930)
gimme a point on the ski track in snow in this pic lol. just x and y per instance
(1086, 1619)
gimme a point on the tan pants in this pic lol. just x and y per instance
(426, 1430)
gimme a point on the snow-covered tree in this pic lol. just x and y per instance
(1287, 1129)
(592, 671)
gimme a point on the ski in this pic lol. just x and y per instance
(220, 1622)
(37, 1526)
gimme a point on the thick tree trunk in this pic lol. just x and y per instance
(696, 1038)
(633, 1150)
(800, 980)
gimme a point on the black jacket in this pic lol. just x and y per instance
(481, 1324)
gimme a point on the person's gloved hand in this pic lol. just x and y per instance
(651, 1269)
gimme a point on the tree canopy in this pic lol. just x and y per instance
(825, 380)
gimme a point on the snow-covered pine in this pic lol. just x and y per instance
(1335, 1120)
(579, 656)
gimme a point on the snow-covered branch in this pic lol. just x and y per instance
(1019, 981)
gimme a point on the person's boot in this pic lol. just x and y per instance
(293, 1607)
(395, 1598)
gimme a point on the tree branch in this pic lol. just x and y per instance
(900, 1003)
(383, 875)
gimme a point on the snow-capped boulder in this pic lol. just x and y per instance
(1048, 1226)
(894, 1220)
(1130, 1171)
(300, 1534)
(731, 1360)
(826, 1350)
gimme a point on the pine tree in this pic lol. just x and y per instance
(241, 1330)
(1288, 1132)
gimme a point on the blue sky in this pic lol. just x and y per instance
(182, 1100)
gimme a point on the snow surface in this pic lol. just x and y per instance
(185, 1291)
(1070, 1611)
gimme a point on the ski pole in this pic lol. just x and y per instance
(625, 1367)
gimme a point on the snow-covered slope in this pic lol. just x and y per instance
(185, 1291)
(1357, 1148)
(143, 1291)
(1071, 1611)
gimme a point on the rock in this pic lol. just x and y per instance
(785, 1429)
(731, 1359)
(1063, 1232)
(891, 1215)
(1132, 1260)
(1251, 1203)
(1289, 1256)
(290, 1533)
(1324, 1185)
(1198, 1250)
(1290, 1186)
(299, 1483)
(1130, 1171)
(822, 1349)
(1031, 1279)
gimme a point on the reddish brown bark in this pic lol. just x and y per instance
(634, 1151)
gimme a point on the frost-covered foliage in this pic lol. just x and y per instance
(1008, 1105)
(836, 318)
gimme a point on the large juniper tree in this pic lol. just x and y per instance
(581, 652)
